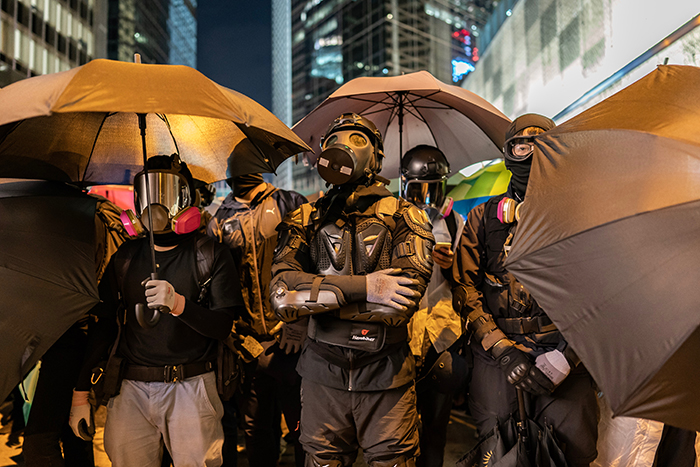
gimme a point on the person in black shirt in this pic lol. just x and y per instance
(168, 395)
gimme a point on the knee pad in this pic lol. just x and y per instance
(401, 461)
(314, 461)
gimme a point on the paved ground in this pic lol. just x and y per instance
(460, 438)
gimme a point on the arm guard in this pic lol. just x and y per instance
(291, 305)
(491, 338)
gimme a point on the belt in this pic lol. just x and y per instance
(532, 324)
(168, 373)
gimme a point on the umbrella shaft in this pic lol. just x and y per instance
(142, 127)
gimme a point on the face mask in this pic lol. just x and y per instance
(347, 156)
(244, 184)
(520, 174)
(171, 205)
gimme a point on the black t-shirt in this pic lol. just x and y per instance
(192, 336)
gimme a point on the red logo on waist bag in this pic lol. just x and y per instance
(365, 331)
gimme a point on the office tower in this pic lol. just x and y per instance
(46, 36)
(334, 41)
(161, 31)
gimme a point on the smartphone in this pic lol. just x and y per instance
(445, 245)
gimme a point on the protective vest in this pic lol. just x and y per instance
(251, 234)
(512, 306)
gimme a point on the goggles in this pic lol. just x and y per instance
(167, 189)
(519, 148)
(425, 193)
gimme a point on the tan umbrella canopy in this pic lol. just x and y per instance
(414, 109)
(81, 125)
(609, 243)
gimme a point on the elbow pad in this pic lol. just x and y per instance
(290, 305)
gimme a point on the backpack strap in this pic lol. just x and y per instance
(204, 248)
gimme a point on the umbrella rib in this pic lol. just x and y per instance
(14, 127)
(422, 118)
(94, 143)
(167, 125)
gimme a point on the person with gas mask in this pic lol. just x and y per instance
(514, 344)
(355, 264)
(436, 328)
(246, 222)
(167, 328)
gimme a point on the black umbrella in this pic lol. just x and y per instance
(47, 270)
(516, 443)
(608, 243)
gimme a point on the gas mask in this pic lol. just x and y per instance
(172, 202)
(352, 150)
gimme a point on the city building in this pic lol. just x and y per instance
(320, 44)
(46, 36)
(559, 57)
(161, 31)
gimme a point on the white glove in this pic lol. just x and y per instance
(293, 335)
(385, 287)
(554, 366)
(81, 410)
(161, 294)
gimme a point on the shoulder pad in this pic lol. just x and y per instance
(418, 220)
(386, 206)
(301, 216)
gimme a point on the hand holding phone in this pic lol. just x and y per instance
(442, 245)
(443, 254)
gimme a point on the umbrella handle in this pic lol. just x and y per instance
(142, 311)
(522, 413)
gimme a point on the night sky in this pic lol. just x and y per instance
(234, 45)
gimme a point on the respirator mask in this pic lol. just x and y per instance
(172, 203)
(352, 149)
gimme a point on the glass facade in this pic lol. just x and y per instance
(46, 36)
(161, 31)
(334, 41)
(558, 57)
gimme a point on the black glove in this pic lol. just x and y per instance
(522, 372)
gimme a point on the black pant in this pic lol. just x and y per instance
(47, 426)
(271, 386)
(572, 409)
(438, 381)
(336, 423)
(676, 448)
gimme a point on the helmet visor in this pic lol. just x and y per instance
(166, 189)
(424, 193)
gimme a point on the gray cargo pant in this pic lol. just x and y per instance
(185, 416)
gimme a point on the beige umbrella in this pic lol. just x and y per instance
(97, 123)
(81, 125)
(414, 109)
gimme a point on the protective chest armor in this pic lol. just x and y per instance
(359, 243)
(351, 249)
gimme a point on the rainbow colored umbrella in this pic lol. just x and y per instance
(477, 183)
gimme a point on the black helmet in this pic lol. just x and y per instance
(424, 171)
(352, 148)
